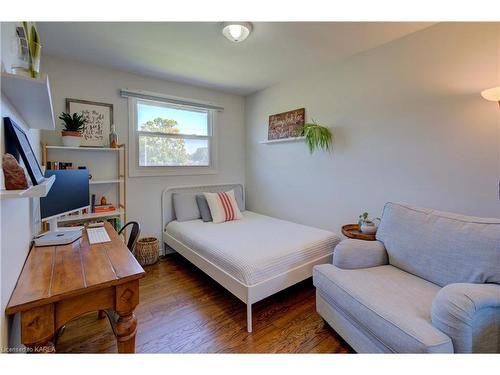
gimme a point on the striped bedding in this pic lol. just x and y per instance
(255, 248)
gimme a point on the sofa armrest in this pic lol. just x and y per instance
(352, 254)
(470, 315)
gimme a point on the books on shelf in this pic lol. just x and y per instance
(104, 208)
(55, 165)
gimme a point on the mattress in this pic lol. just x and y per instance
(255, 248)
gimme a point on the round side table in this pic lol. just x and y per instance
(352, 231)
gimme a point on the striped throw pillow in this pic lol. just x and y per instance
(223, 206)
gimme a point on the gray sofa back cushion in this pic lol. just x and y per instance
(441, 247)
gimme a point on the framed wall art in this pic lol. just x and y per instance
(99, 118)
(286, 125)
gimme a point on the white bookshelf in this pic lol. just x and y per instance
(36, 191)
(107, 166)
(31, 98)
(284, 140)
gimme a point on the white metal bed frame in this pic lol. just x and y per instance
(249, 294)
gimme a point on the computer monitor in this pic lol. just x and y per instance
(70, 192)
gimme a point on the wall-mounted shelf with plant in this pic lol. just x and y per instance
(317, 137)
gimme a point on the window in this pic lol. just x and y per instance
(170, 138)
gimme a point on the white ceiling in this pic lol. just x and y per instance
(197, 53)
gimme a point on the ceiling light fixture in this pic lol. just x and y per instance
(236, 31)
(492, 94)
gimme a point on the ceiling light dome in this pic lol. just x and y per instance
(492, 94)
(236, 31)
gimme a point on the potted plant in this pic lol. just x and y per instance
(29, 40)
(367, 225)
(73, 127)
(317, 136)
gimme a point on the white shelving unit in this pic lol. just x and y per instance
(31, 98)
(283, 140)
(107, 165)
(36, 191)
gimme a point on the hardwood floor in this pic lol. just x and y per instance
(184, 311)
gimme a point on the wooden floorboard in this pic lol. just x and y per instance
(182, 310)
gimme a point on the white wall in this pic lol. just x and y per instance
(71, 79)
(409, 125)
(19, 217)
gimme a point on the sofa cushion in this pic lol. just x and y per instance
(389, 304)
(441, 247)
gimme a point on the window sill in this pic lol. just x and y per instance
(170, 171)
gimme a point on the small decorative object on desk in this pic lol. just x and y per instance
(147, 251)
(15, 177)
(367, 225)
(74, 125)
(104, 201)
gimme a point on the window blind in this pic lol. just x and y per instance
(127, 93)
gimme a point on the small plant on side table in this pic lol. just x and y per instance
(367, 225)
(74, 125)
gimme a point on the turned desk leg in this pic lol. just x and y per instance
(127, 298)
(126, 328)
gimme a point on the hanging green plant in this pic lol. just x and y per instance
(317, 137)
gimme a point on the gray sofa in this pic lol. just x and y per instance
(429, 284)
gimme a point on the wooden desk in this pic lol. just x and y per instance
(59, 283)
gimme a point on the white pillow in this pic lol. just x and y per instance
(223, 206)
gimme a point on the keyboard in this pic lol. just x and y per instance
(97, 235)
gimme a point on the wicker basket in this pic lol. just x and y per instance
(147, 251)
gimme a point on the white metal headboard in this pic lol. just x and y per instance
(167, 209)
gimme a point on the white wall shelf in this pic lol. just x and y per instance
(283, 140)
(83, 148)
(100, 182)
(31, 98)
(36, 191)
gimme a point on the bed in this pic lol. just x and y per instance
(254, 257)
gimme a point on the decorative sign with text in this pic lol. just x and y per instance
(287, 124)
(99, 118)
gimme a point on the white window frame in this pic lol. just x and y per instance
(135, 170)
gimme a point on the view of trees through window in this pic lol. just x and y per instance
(160, 148)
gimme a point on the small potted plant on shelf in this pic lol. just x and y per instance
(317, 136)
(73, 128)
(367, 225)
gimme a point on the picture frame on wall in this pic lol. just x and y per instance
(99, 118)
(286, 124)
(17, 138)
